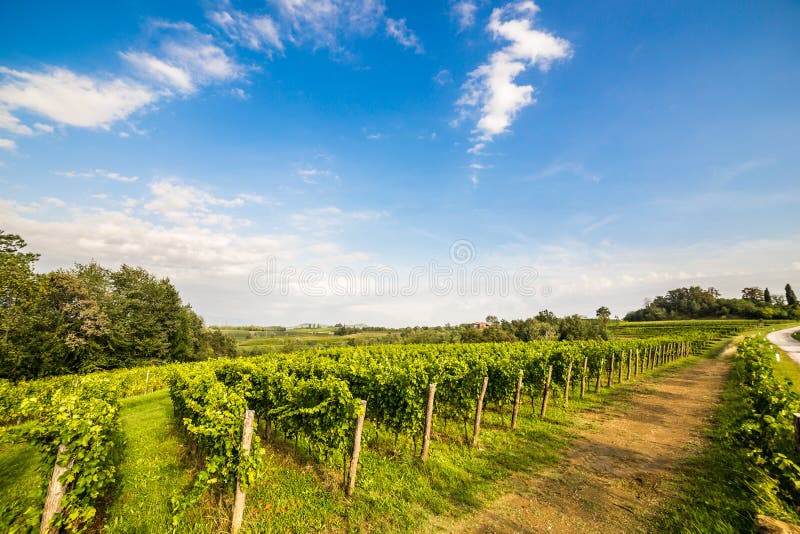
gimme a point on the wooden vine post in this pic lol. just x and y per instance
(351, 476)
(566, 384)
(479, 411)
(619, 368)
(599, 377)
(146, 381)
(546, 394)
(517, 399)
(796, 418)
(636, 369)
(426, 438)
(238, 501)
(630, 361)
(584, 376)
(55, 492)
(611, 371)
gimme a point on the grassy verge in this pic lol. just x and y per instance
(21, 496)
(718, 491)
(152, 468)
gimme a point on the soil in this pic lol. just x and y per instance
(622, 465)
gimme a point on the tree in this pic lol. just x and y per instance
(546, 316)
(767, 296)
(754, 294)
(603, 314)
(791, 298)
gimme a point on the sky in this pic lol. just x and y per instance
(406, 163)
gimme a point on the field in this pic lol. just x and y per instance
(157, 447)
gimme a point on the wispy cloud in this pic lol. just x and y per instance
(491, 89)
(599, 223)
(464, 13)
(398, 30)
(256, 32)
(443, 77)
(183, 59)
(332, 218)
(98, 173)
(7, 144)
(567, 168)
(324, 23)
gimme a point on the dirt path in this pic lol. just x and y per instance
(621, 466)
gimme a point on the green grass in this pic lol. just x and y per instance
(22, 476)
(152, 467)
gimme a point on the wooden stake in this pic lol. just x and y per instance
(630, 361)
(797, 433)
(517, 398)
(146, 381)
(619, 368)
(426, 438)
(566, 384)
(584, 376)
(546, 394)
(611, 371)
(238, 501)
(478, 411)
(55, 492)
(351, 477)
(599, 375)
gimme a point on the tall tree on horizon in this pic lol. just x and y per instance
(791, 298)
(767, 296)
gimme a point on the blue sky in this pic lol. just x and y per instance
(619, 149)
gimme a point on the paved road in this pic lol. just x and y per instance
(784, 339)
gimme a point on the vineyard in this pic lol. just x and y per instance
(399, 404)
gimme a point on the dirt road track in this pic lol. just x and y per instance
(621, 467)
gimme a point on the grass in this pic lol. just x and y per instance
(717, 491)
(21, 490)
(152, 467)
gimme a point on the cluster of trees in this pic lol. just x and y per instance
(698, 303)
(545, 326)
(89, 318)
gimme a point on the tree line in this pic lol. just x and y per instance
(544, 326)
(90, 318)
(698, 303)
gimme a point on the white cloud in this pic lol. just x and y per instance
(331, 218)
(250, 31)
(179, 203)
(183, 59)
(160, 71)
(98, 173)
(68, 98)
(400, 32)
(464, 13)
(7, 144)
(324, 22)
(491, 88)
(12, 124)
(567, 168)
(443, 77)
(53, 201)
(46, 128)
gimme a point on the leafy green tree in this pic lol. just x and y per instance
(754, 294)
(791, 298)
(767, 296)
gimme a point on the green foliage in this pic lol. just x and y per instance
(697, 303)
(89, 318)
(84, 419)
